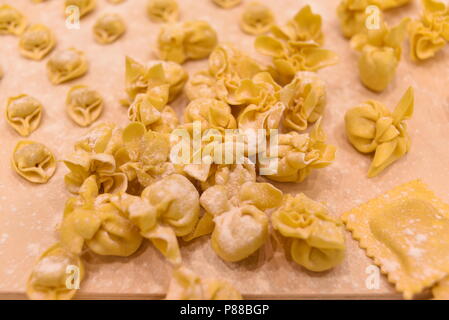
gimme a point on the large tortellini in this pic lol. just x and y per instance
(11, 20)
(109, 28)
(33, 161)
(66, 65)
(179, 42)
(56, 275)
(256, 19)
(163, 10)
(24, 114)
(84, 6)
(84, 105)
(381, 51)
(318, 241)
(371, 127)
(37, 41)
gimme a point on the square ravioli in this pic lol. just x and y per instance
(406, 233)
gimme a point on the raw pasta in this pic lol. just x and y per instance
(371, 127)
(163, 10)
(33, 161)
(256, 19)
(66, 65)
(84, 105)
(441, 290)
(84, 6)
(227, 4)
(109, 28)
(11, 20)
(36, 42)
(116, 1)
(318, 242)
(24, 114)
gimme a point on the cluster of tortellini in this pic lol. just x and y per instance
(371, 127)
(429, 34)
(182, 41)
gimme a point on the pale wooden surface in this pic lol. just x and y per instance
(30, 213)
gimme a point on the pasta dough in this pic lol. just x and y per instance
(318, 240)
(11, 20)
(227, 4)
(36, 42)
(163, 10)
(24, 114)
(441, 290)
(84, 6)
(256, 19)
(371, 127)
(405, 232)
(109, 28)
(84, 105)
(66, 65)
(33, 161)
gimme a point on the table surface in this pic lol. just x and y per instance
(30, 213)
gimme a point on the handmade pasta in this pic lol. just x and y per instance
(84, 105)
(256, 19)
(163, 10)
(318, 239)
(353, 16)
(33, 161)
(66, 65)
(84, 6)
(116, 1)
(11, 20)
(56, 275)
(405, 233)
(371, 127)
(36, 42)
(109, 28)
(24, 114)
(441, 290)
(227, 4)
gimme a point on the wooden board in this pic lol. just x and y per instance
(30, 213)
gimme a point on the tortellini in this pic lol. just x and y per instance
(179, 42)
(36, 42)
(389, 4)
(11, 20)
(299, 154)
(352, 15)
(380, 54)
(163, 10)
(141, 79)
(200, 85)
(109, 28)
(24, 114)
(33, 161)
(84, 6)
(66, 65)
(256, 19)
(116, 1)
(84, 105)
(52, 278)
(227, 4)
(305, 100)
(318, 241)
(371, 127)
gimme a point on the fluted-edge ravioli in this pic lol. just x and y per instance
(163, 10)
(85, 6)
(84, 105)
(109, 28)
(66, 65)
(33, 161)
(24, 114)
(36, 42)
(12, 21)
(256, 19)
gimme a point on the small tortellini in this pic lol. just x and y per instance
(84, 105)
(318, 239)
(179, 42)
(36, 42)
(163, 10)
(256, 19)
(33, 161)
(227, 4)
(11, 20)
(109, 28)
(352, 16)
(84, 6)
(66, 65)
(371, 127)
(24, 114)
(56, 275)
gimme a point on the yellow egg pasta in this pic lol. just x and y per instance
(116, 1)
(441, 290)
(66, 65)
(85, 6)
(84, 105)
(109, 28)
(163, 10)
(256, 19)
(33, 161)
(12, 21)
(24, 114)
(353, 16)
(36, 42)
(227, 4)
